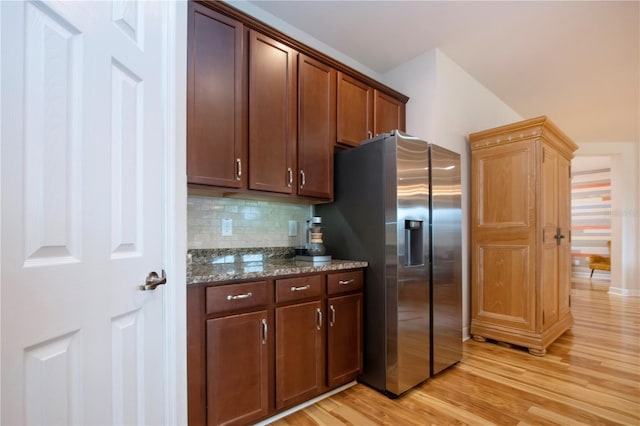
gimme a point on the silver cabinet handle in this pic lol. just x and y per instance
(153, 280)
(303, 180)
(346, 282)
(302, 288)
(319, 324)
(239, 296)
(333, 315)
(238, 168)
(265, 329)
(369, 134)
(290, 174)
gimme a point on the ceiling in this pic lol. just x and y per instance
(578, 62)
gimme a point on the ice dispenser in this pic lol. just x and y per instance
(413, 243)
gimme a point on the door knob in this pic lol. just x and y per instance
(153, 281)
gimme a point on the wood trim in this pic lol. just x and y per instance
(539, 127)
(251, 22)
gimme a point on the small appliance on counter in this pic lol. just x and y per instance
(314, 250)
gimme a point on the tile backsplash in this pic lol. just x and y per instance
(253, 223)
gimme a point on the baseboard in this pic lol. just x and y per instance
(596, 275)
(305, 404)
(624, 291)
(466, 335)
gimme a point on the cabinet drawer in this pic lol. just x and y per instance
(232, 297)
(344, 281)
(298, 288)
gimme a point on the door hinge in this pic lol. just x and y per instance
(542, 317)
(544, 151)
(569, 300)
(543, 234)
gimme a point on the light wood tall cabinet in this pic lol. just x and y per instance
(521, 234)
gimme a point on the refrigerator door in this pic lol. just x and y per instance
(407, 250)
(446, 258)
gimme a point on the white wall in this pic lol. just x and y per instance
(288, 29)
(625, 212)
(446, 105)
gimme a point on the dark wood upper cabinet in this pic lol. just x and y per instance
(216, 115)
(264, 111)
(316, 127)
(355, 111)
(272, 115)
(388, 112)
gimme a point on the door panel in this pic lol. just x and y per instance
(82, 155)
(354, 111)
(272, 115)
(549, 268)
(564, 222)
(217, 104)
(504, 257)
(344, 339)
(388, 114)
(237, 373)
(316, 127)
(299, 358)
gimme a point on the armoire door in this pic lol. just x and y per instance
(503, 238)
(549, 265)
(564, 223)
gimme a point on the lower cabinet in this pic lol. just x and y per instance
(299, 360)
(344, 339)
(258, 348)
(237, 369)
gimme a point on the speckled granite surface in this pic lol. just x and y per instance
(212, 265)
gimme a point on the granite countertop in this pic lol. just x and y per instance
(208, 266)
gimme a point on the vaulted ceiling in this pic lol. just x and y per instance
(577, 62)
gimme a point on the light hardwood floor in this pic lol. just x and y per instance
(590, 375)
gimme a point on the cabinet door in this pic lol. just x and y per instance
(355, 111)
(549, 267)
(316, 127)
(344, 339)
(215, 106)
(299, 353)
(237, 368)
(388, 114)
(503, 258)
(272, 115)
(564, 222)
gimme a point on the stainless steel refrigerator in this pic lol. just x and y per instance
(397, 206)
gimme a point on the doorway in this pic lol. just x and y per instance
(591, 207)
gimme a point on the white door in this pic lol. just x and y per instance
(82, 213)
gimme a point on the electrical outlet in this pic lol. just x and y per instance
(293, 228)
(227, 227)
